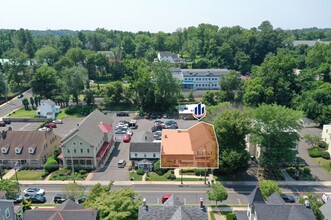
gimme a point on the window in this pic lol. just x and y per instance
(88, 151)
(80, 143)
(68, 150)
(81, 151)
(135, 154)
(7, 213)
(74, 143)
(154, 155)
(145, 155)
(88, 162)
(74, 150)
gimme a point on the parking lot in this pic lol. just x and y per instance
(22, 126)
(121, 151)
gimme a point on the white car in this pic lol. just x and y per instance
(326, 197)
(44, 129)
(121, 125)
(33, 191)
(58, 121)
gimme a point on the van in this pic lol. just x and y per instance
(326, 197)
(121, 164)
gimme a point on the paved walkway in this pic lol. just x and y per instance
(9, 174)
(286, 175)
(316, 170)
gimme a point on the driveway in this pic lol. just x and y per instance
(316, 170)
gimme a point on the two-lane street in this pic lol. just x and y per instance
(13, 104)
(189, 194)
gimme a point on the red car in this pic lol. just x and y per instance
(147, 116)
(50, 125)
(126, 138)
(165, 197)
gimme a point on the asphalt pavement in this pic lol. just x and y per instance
(15, 103)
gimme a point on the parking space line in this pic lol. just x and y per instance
(28, 124)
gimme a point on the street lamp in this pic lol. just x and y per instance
(205, 153)
(15, 168)
(181, 176)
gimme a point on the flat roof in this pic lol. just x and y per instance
(188, 109)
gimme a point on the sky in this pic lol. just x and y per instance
(161, 15)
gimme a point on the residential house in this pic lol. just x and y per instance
(90, 143)
(48, 109)
(169, 57)
(309, 43)
(144, 154)
(326, 136)
(193, 147)
(326, 210)
(274, 208)
(172, 209)
(186, 111)
(26, 148)
(199, 79)
(9, 211)
(68, 210)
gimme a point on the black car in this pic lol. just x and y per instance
(60, 198)
(20, 95)
(159, 116)
(36, 198)
(153, 116)
(2, 124)
(82, 199)
(288, 198)
(170, 115)
(157, 128)
(122, 114)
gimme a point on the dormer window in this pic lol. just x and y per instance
(18, 150)
(4, 150)
(32, 150)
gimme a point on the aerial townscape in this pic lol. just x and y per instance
(207, 122)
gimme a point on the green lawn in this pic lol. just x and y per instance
(155, 177)
(326, 164)
(28, 175)
(21, 113)
(191, 179)
(62, 115)
(136, 176)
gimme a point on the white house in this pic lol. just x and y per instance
(48, 109)
(169, 57)
(199, 79)
(326, 135)
(143, 154)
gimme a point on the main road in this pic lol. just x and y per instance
(189, 194)
(14, 103)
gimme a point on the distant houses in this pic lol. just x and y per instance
(169, 57)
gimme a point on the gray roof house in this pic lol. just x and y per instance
(68, 210)
(143, 154)
(172, 209)
(326, 210)
(170, 57)
(274, 208)
(90, 143)
(9, 211)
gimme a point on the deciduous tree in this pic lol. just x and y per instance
(12, 188)
(44, 81)
(268, 187)
(217, 193)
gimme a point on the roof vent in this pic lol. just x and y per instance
(32, 150)
(4, 150)
(18, 150)
(165, 136)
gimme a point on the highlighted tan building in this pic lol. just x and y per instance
(196, 147)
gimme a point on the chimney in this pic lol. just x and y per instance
(201, 203)
(165, 136)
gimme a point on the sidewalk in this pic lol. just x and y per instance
(9, 174)
(178, 175)
(286, 175)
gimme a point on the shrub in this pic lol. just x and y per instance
(147, 178)
(230, 216)
(326, 155)
(187, 170)
(44, 174)
(140, 171)
(167, 175)
(199, 172)
(306, 170)
(172, 177)
(290, 170)
(314, 152)
(322, 144)
(82, 172)
(51, 165)
(158, 170)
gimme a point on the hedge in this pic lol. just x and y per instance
(314, 153)
(51, 165)
(140, 171)
(325, 155)
(322, 144)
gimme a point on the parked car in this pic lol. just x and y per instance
(18, 199)
(36, 198)
(165, 198)
(126, 138)
(81, 199)
(121, 163)
(133, 124)
(173, 126)
(157, 128)
(60, 198)
(170, 115)
(124, 122)
(326, 197)
(32, 191)
(159, 116)
(165, 115)
(153, 116)
(7, 121)
(147, 116)
(44, 129)
(20, 96)
(58, 121)
(2, 124)
(122, 114)
(120, 131)
(121, 125)
(158, 122)
(288, 198)
(169, 123)
(50, 125)
(157, 135)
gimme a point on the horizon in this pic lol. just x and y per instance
(149, 16)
